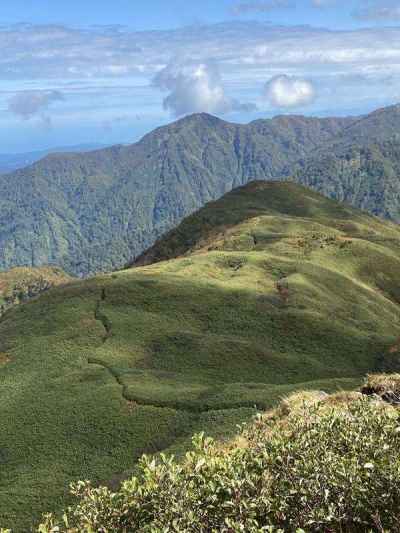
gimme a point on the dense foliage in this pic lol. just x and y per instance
(362, 175)
(97, 211)
(331, 465)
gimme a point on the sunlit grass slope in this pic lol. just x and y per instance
(277, 289)
(24, 282)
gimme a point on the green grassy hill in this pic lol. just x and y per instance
(275, 289)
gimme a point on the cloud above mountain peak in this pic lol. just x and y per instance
(196, 87)
(220, 69)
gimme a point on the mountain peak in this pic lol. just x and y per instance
(201, 118)
(175, 170)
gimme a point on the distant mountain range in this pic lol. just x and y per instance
(11, 162)
(95, 211)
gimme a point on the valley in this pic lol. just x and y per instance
(199, 266)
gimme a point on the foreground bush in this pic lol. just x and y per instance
(386, 386)
(317, 463)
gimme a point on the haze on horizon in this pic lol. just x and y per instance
(100, 72)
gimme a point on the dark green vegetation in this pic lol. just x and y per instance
(364, 176)
(278, 289)
(97, 211)
(317, 462)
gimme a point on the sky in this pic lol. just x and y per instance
(108, 72)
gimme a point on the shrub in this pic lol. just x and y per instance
(386, 386)
(324, 464)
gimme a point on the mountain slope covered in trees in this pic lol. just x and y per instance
(271, 289)
(366, 176)
(98, 210)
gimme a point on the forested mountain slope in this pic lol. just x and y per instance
(367, 176)
(96, 211)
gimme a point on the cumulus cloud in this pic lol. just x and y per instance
(27, 104)
(289, 91)
(117, 63)
(196, 87)
(244, 8)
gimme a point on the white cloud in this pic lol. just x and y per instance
(27, 104)
(288, 91)
(195, 87)
(63, 53)
(118, 65)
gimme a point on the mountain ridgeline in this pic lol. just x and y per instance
(96, 211)
(14, 161)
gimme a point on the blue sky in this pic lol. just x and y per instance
(100, 71)
(167, 14)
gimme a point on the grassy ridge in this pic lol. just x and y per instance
(102, 370)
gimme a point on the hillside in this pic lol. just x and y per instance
(21, 283)
(275, 289)
(366, 176)
(380, 125)
(96, 211)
